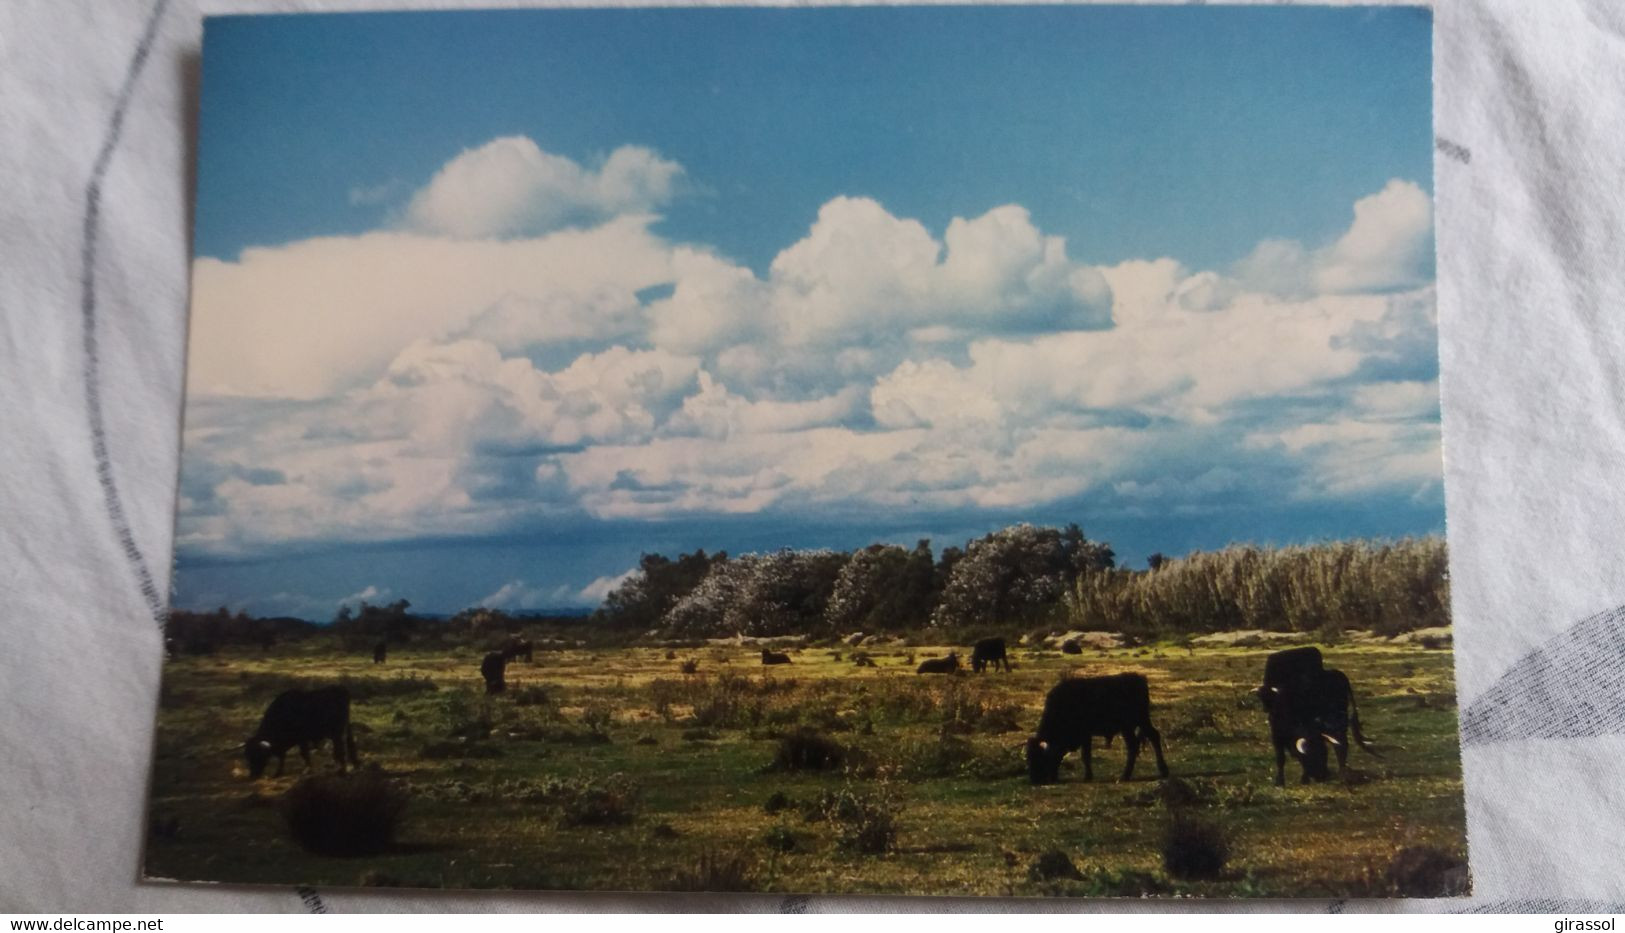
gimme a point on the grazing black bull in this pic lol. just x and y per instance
(1309, 706)
(1077, 709)
(303, 718)
(493, 667)
(380, 652)
(947, 665)
(988, 651)
(774, 657)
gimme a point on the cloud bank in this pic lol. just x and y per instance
(523, 347)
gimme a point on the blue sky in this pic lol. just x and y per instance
(1190, 132)
(487, 303)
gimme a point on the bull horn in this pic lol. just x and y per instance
(1043, 746)
(264, 743)
(1275, 689)
(1302, 746)
(1330, 739)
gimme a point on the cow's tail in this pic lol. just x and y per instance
(1354, 722)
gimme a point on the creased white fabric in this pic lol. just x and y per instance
(1530, 182)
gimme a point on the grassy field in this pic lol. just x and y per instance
(612, 770)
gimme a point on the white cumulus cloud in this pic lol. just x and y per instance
(311, 318)
(1388, 247)
(511, 187)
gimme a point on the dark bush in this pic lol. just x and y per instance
(998, 720)
(780, 839)
(344, 814)
(776, 803)
(808, 750)
(1052, 865)
(1425, 871)
(689, 666)
(1193, 848)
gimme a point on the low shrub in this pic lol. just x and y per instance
(1426, 871)
(344, 814)
(1193, 848)
(779, 838)
(864, 821)
(1053, 865)
(808, 750)
(945, 757)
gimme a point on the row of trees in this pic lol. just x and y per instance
(1016, 579)
(1017, 575)
(1026, 577)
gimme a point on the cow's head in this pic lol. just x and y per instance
(257, 752)
(1266, 696)
(1043, 762)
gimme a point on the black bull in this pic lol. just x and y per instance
(1080, 708)
(303, 718)
(989, 651)
(1309, 706)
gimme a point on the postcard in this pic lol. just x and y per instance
(932, 450)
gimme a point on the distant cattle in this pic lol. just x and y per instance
(380, 652)
(517, 648)
(863, 660)
(946, 665)
(302, 718)
(988, 651)
(1309, 706)
(493, 667)
(1072, 646)
(1080, 708)
(774, 657)
(171, 649)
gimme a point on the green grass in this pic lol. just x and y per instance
(692, 753)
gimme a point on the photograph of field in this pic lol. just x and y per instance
(907, 450)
